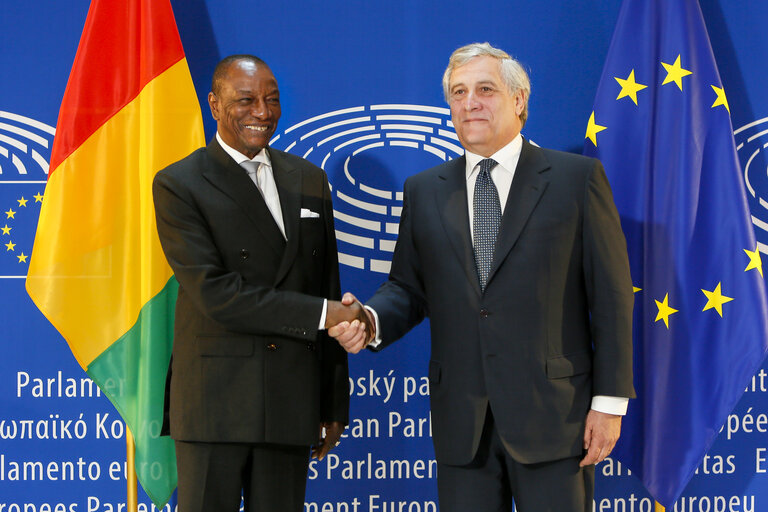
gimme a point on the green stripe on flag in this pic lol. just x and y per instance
(131, 372)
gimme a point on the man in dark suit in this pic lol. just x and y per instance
(253, 380)
(530, 303)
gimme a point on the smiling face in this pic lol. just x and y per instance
(246, 107)
(485, 114)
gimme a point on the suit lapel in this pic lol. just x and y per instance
(527, 187)
(232, 180)
(288, 181)
(451, 196)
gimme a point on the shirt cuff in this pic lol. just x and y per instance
(377, 339)
(610, 404)
(323, 314)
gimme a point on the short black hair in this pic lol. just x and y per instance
(223, 66)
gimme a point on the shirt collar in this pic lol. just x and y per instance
(506, 157)
(262, 156)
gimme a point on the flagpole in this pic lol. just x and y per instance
(130, 459)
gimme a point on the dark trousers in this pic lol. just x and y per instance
(212, 476)
(493, 479)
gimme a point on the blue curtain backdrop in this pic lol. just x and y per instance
(361, 95)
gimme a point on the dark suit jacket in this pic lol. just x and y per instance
(553, 327)
(249, 364)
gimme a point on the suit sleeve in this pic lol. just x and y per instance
(609, 289)
(218, 292)
(335, 380)
(399, 302)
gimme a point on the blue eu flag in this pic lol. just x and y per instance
(661, 125)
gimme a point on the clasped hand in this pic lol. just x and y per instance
(350, 323)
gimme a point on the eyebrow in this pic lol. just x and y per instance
(275, 90)
(477, 84)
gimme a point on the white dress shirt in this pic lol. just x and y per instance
(265, 182)
(502, 174)
(264, 179)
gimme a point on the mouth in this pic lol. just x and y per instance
(256, 128)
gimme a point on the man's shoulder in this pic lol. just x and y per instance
(438, 171)
(564, 158)
(565, 163)
(283, 158)
(569, 169)
(197, 160)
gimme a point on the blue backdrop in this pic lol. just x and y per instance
(361, 95)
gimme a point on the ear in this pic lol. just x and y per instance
(519, 102)
(213, 103)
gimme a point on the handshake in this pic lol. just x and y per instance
(350, 323)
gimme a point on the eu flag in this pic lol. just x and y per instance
(661, 125)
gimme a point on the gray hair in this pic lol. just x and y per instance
(512, 72)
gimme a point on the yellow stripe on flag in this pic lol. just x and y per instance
(97, 225)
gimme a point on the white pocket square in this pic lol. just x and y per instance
(306, 213)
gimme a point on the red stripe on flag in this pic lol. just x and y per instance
(123, 47)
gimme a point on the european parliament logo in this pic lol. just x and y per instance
(752, 147)
(25, 150)
(367, 152)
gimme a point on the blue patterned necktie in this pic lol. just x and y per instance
(486, 220)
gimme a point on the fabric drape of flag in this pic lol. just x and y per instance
(661, 125)
(97, 271)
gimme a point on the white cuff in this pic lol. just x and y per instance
(377, 339)
(610, 404)
(323, 314)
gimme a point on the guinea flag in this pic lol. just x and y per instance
(97, 271)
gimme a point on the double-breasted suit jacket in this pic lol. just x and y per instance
(249, 363)
(553, 326)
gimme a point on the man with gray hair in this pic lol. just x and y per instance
(530, 303)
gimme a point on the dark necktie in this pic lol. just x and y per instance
(486, 220)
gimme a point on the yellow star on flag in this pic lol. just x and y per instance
(38, 197)
(22, 258)
(6, 230)
(720, 100)
(22, 201)
(10, 245)
(629, 87)
(675, 73)
(635, 289)
(754, 260)
(715, 299)
(664, 310)
(10, 214)
(593, 129)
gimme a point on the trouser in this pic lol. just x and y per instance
(491, 481)
(212, 476)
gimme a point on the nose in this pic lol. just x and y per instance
(469, 102)
(259, 109)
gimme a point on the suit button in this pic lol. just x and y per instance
(272, 347)
(314, 252)
(244, 253)
(484, 313)
(310, 346)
